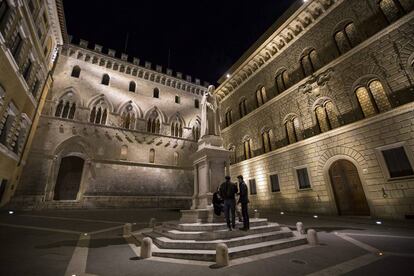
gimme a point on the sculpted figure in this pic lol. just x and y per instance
(210, 116)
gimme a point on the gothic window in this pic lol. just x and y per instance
(156, 93)
(392, 9)
(310, 63)
(346, 38)
(229, 118)
(154, 123)
(132, 86)
(176, 128)
(152, 156)
(293, 130)
(196, 131)
(76, 71)
(233, 158)
(65, 109)
(99, 113)
(243, 108)
(196, 103)
(176, 158)
(247, 146)
(35, 88)
(261, 96)
(281, 81)
(105, 79)
(326, 117)
(266, 140)
(177, 99)
(372, 98)
(128, 118)
(2, 96)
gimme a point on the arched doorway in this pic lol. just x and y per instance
(69, 178)
(347, 187)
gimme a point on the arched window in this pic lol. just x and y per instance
(176, 128)
(372, 99)
(128, 118)
(229, 117)
(4, 14)
(76, 71)
(247, 146)
(99, 113)
(196, 130)
(282, 81)
(266, 140)
(156, 93)
(132, 86)
(310, 63)
(243, 108)
(346, 38)
(196, 103)
(152, 156)
(105, 79)
(293, 130)
(391, 9)
(326, 117)
(154, 123)
(65, 109)
(176, 158)
(261, 96)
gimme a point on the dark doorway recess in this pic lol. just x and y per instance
(347, 187)
(69, 178)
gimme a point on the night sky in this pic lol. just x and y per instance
(205, 37)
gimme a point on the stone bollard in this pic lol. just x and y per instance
(146, 248)
(127, 229)
(256, 214)
(152, 223)
(222, 255)
(312, 237)
(299, 228)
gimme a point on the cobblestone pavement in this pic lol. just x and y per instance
(90, 242)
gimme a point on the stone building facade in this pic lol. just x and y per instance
(113, 133)
(319, 113)
(29, 34)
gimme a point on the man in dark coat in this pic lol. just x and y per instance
(217, 202)
(244, 201)
(228, 190)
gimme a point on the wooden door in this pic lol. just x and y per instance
(69, 178)
(349, 194)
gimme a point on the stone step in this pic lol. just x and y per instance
(203, 227)
(234, 252)
(167, 243)
(214, 235)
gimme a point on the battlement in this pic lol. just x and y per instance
(132, 66)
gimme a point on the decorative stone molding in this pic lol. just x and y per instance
(295, 26)
(122, 65)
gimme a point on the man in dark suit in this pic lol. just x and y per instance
(228, 191)
(244, 201)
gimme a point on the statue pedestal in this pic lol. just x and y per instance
(211, 164)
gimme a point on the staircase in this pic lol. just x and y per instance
(198, 241)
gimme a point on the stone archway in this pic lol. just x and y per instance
(69, 178)
(347, 189)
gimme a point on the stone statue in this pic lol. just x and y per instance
(210, 115)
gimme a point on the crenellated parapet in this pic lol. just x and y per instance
(133, 67)
(303, 19)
